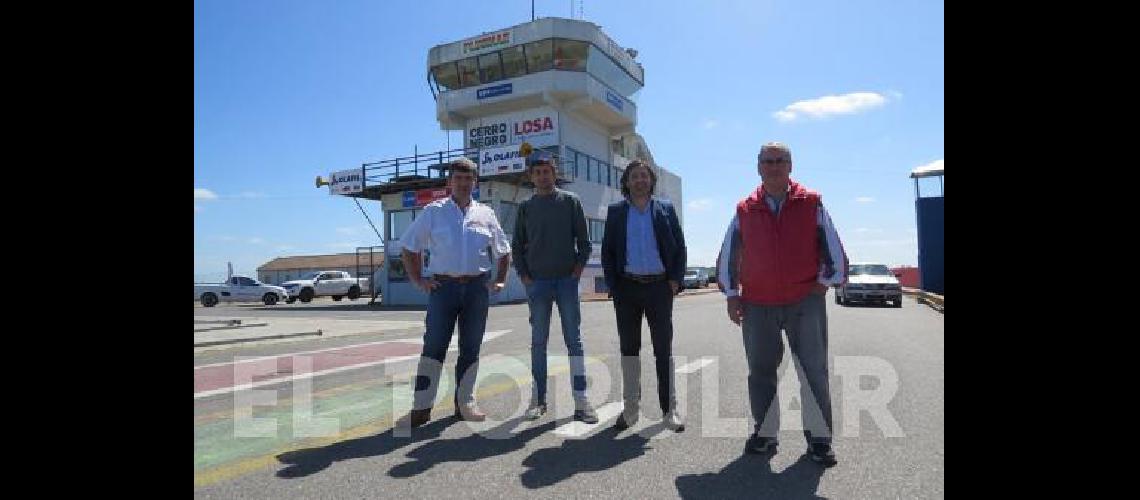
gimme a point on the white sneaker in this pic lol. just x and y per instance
(672, 421)
(536, 410)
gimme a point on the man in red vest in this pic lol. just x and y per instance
(780, 255)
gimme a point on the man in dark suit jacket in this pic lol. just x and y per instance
(643, 258)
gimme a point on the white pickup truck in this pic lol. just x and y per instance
(238, 289)
(335, 284)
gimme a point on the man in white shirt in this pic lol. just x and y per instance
(464, 240)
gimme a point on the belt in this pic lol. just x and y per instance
(457, 279)
(645, 278)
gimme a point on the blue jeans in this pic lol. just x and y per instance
(452, 301)
(541, 295)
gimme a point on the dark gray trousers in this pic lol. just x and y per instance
(806, 325)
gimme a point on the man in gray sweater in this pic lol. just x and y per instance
(552, 246)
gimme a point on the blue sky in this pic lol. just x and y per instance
(285, 90)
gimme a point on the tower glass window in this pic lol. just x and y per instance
(468, 72)
(514, 62)
(490, 68)
(570, 55)
(539, 55)
(446, 76)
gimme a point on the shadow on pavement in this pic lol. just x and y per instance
(751, 476)
(598, 452)
(309, 461)
(469, 449)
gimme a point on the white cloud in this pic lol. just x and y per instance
(204, 194)
(700, 204)
(255, 240)
(251, 194)
(865, 199)
(710, 123)
(830, 105)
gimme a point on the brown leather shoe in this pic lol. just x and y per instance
(470, 413)
(419, 417)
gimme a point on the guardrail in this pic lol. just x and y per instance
(938, 302)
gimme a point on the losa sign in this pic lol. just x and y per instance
(534, 126)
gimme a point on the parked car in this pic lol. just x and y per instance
(335, 284)
(695, 278)
(869, 282)
(238, 289)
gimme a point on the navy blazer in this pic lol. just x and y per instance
(667, 230)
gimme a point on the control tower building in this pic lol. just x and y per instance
(561, 85)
